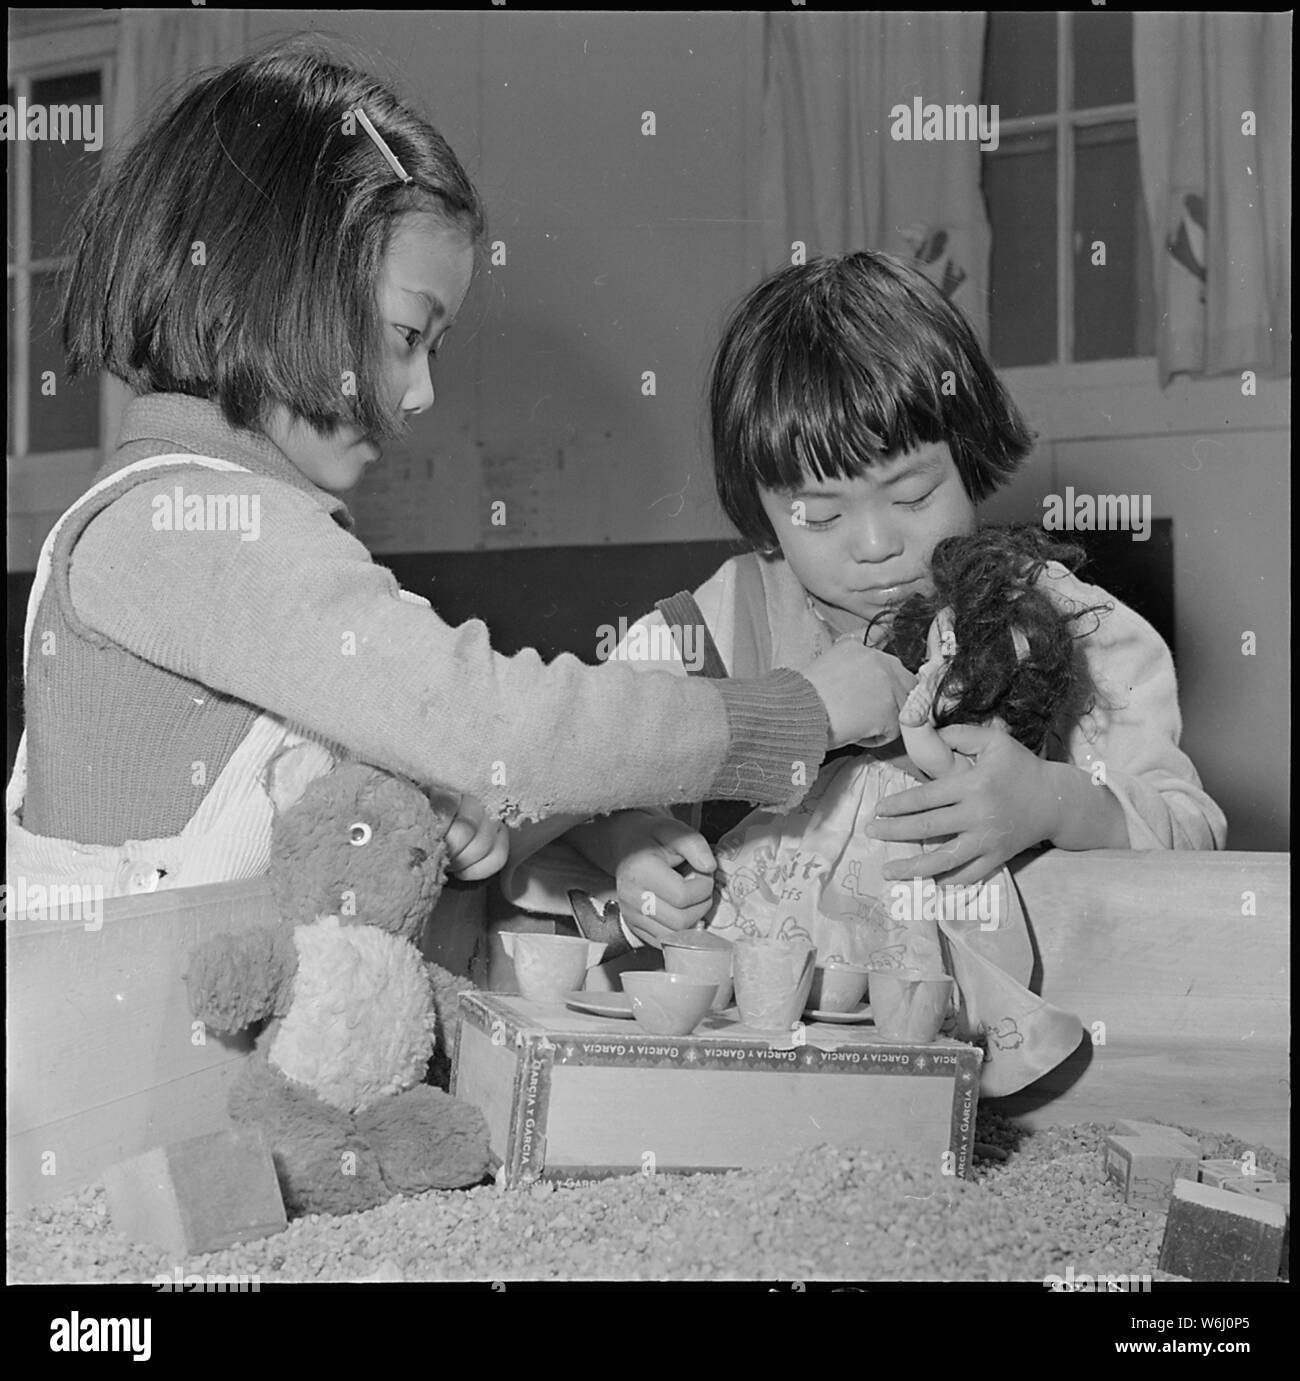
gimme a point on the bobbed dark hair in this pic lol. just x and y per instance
(828, 368)
(233, 252)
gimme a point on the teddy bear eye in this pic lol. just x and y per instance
(360, 833)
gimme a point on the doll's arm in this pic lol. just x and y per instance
(925, 748)
(237, 978)
(928, 752)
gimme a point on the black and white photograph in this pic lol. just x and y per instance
(648, 649)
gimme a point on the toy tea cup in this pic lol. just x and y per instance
(907, 1006)
(703, 956)
(772, 981)
(549, 966)
(668, 1004)
(837, 986)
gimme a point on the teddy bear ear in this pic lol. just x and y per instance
(292, 770)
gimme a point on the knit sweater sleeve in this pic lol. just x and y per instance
(301, 622)
(543, 867)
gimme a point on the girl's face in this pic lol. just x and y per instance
(422, 285)
(862, 545)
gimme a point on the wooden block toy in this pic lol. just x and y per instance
(1144, 1168)
(1274, 1193)
(1215, 1234)
(1218, 1173)
(1127, 1127)
(570, 1095)
(199, 1195)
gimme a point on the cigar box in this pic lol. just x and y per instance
(569, 1096)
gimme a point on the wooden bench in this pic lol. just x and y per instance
(1152, 951)
(1185, 958)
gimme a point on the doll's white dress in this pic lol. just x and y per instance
(812, 873)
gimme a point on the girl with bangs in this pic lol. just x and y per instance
(272, 268)
(856, 426)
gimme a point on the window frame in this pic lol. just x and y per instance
(41, 484)
(1045, 382)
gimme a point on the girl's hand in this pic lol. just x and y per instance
(655, 898)
(477, 846)
(863, 689)
(1005, 803)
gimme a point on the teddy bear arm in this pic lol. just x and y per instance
(236, 979)
(447, 988)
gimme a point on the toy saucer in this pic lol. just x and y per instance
(601, 1004)
(861, 1013)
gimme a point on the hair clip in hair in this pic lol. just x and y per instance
(389, 157)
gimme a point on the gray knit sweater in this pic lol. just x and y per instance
(153, 651)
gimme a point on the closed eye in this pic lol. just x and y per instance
(922, 501)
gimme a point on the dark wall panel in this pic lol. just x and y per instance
(554, 599)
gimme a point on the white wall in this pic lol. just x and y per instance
(624, 252)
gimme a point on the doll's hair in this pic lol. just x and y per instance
(828, 368)
(990, 580)
(294, 207)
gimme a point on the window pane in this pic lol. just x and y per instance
(1020, 63)
(69, 418)
(1103, 58)
(62, 173)
(1112, 301)
(1020, 193)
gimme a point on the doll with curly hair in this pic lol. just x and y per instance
(1016, 661)
(989, 645)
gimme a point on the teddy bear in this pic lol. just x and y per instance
(355, 1018)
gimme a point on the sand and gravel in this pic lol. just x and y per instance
(1038, 1203)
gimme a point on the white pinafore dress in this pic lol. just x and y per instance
(229, 836)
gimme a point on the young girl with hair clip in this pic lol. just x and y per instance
(856, 425)
(271, 268)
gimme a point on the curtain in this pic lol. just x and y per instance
(833, 176)
(1218, 198)
(159, 49)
